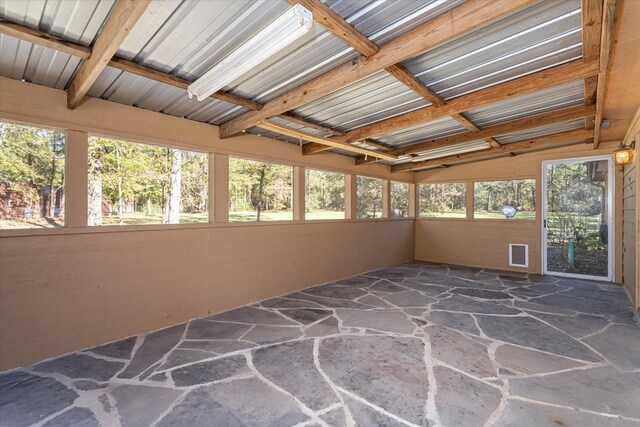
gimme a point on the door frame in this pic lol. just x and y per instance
(610, 216)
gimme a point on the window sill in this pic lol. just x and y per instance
(27, 232)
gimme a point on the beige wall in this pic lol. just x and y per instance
(631, 217)
(66, 289)
(64, 292)
(486, 242)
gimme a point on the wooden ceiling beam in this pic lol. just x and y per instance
(295, 133)
(543, 142)
(122, 18)
(610, 23)
(333, 22)
(469, 16)
(591, 34)
(542, 79)
(299, 120)
(39, 38)
(175, 81)
(517, 125)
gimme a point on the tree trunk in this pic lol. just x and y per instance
(260, 190)
(120, 201)
(204, 189)
(173, 210)
(95, 198)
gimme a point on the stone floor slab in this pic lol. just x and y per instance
(387, 371)
(244, 402)
(209, 371)
(462, 400)
(532, 333)
(26, 399)
(291, 367)
(140, 406)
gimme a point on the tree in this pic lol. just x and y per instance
(173, 208)
(32, 163)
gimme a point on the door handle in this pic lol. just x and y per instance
(545, 223)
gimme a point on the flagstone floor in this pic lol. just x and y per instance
(418, 344)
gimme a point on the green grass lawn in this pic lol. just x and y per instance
(248, 216)
(498, 215)
(324, 215)
(443, 214)
(139, 218)
(479, 215)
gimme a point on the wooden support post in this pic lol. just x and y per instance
(299, 193)
(469, 200)
(218, 187)
(76, 179)
(351, 196)
(386, 198)
(413, 200)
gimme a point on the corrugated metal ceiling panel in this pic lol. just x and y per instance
(443, 126)
(541, 131)
(538, 37)
(553, 98)
(369, 100)
(77, 21)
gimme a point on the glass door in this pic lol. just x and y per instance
(578, 217)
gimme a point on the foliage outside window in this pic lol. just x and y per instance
(369, 197)
(131, 183)
(446, 200)
(324, 195)
(31, 177)
(503, 199)
(260, 191)
(399, 199)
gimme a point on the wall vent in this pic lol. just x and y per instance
(518, 255)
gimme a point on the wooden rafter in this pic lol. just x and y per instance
(43, 39)
(609, 28)
(471, 15)
(517, 125)
(307, 123)
(539, 143)
(547, 78)
(295, 133)
(162, 77)
(326, 17)
(591, 34)
(122, 18)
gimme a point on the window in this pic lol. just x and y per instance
(131, 183)
(443, 200)
(31, 177)
(259, 191)
(369, 197)
(513, 199)
(399, 199)
(324, 195)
